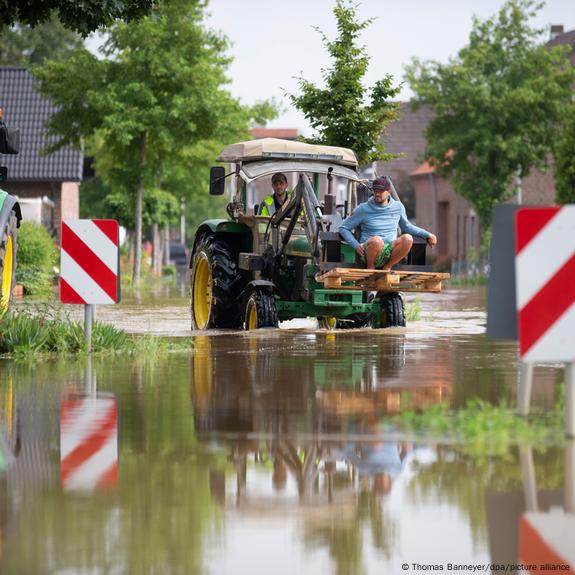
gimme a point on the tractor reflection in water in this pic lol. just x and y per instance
(303, 437)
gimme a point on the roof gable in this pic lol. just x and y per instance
(24, 108)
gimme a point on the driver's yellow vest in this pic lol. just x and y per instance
(268, 205)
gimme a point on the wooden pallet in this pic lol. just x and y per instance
(380, 280)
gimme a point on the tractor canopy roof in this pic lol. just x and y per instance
(269, 155)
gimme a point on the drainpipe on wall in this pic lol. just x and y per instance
(433, 204)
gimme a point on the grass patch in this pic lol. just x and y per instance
(48, 332)
(413, 310)
(463, 281)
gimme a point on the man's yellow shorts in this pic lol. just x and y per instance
(383, 256)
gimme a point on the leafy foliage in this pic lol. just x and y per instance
(36, 248)
(37, 257)
(497, 105)
(24, 45)
(153, 107)
(159, 207)
(338, 112)
(83, 17)
(565, 160)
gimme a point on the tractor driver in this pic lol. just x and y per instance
(273, 202)
(379, 217)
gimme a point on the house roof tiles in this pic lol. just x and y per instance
(561, 39)
(24, 108)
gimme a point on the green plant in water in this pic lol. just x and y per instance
(413, 310)
(479, 424)
(21, 335)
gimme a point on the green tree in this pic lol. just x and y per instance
(159, 207)
(565, 160)
(159, 93)
(24, 45)
(497, 105)
(83, 17)
(339, 112)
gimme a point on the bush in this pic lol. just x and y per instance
(36, 259)
(36, 248)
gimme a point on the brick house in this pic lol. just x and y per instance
(47, 186)
(405, 137)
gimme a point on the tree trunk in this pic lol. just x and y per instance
(166, 243)
(157, 253)
(138, 214)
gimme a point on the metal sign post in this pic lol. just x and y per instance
(570, 399)
(88, 320)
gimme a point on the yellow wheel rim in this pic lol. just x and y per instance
(328, 323)
(202, 371)
(7, 274)
(252, 317)
(202, 291)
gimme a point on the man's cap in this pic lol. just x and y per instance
(279, 177)
(381, 184)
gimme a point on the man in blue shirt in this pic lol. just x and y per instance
(379, 218)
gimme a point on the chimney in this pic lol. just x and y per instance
(556, 30)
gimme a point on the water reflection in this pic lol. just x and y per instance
(88, 441)
(305, 444)
(267, 451)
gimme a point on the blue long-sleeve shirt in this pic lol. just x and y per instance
(379, 220)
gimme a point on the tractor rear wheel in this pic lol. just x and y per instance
(392, 310)
(354, 321)
(8, 248)
(261, 310)
(216, 285)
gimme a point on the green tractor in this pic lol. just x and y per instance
(10, 217)
(254, 271)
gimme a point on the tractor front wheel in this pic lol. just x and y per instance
(392, 310)
(216, 285)
(261, 310)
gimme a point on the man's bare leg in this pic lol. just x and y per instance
(400, 249)
(373, 247)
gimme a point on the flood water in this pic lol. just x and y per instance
(266, 452)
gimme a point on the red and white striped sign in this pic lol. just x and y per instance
(545, 283)
(88, 443)
(89, 262)
(547, 538)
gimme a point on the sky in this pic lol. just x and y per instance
(274, 42)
